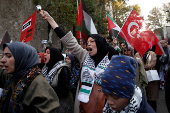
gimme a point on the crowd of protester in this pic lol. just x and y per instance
(100, 75)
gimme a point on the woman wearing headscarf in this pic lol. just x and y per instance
(141, 76)
(58, 75)
(75, 70)
(149, 61)
(93, 63)
(25, 90)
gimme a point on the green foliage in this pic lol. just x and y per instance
(166, 9)
(168, 18)
(64, 12)
(158, 17)
(155, 18)
(121, 11)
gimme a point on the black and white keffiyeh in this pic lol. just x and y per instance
(49, 76)
(132, 107)
(89, 75)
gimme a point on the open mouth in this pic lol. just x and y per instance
(90, 49)
(114, 109)
(45, 59)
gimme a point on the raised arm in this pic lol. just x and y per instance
(58, 30)
(68, 39)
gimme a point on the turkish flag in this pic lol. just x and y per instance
(138, 34)
(28, 27)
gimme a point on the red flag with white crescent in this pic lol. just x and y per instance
(28, 27)
(138, 34)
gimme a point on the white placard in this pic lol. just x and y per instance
(152, 75)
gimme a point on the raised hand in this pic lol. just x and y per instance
(45, 15)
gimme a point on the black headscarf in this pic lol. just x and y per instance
(74, 61)
(25, 57)
(55, 56)
(71, 58)
(102, 48)
(112, 52)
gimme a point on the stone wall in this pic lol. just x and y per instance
(14, 12)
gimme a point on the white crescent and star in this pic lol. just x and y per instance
(129, 26)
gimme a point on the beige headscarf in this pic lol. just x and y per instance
(131, 48)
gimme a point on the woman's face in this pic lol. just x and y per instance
(128, 52)
(47, 56)
(8, 61)
(91, 46)
(116, 103)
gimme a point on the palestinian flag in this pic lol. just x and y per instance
(86, 25)
(113, 28)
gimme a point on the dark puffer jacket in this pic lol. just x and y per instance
(145, 107)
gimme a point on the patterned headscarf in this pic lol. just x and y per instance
(119, 77)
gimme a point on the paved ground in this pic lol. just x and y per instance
(161, 106)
